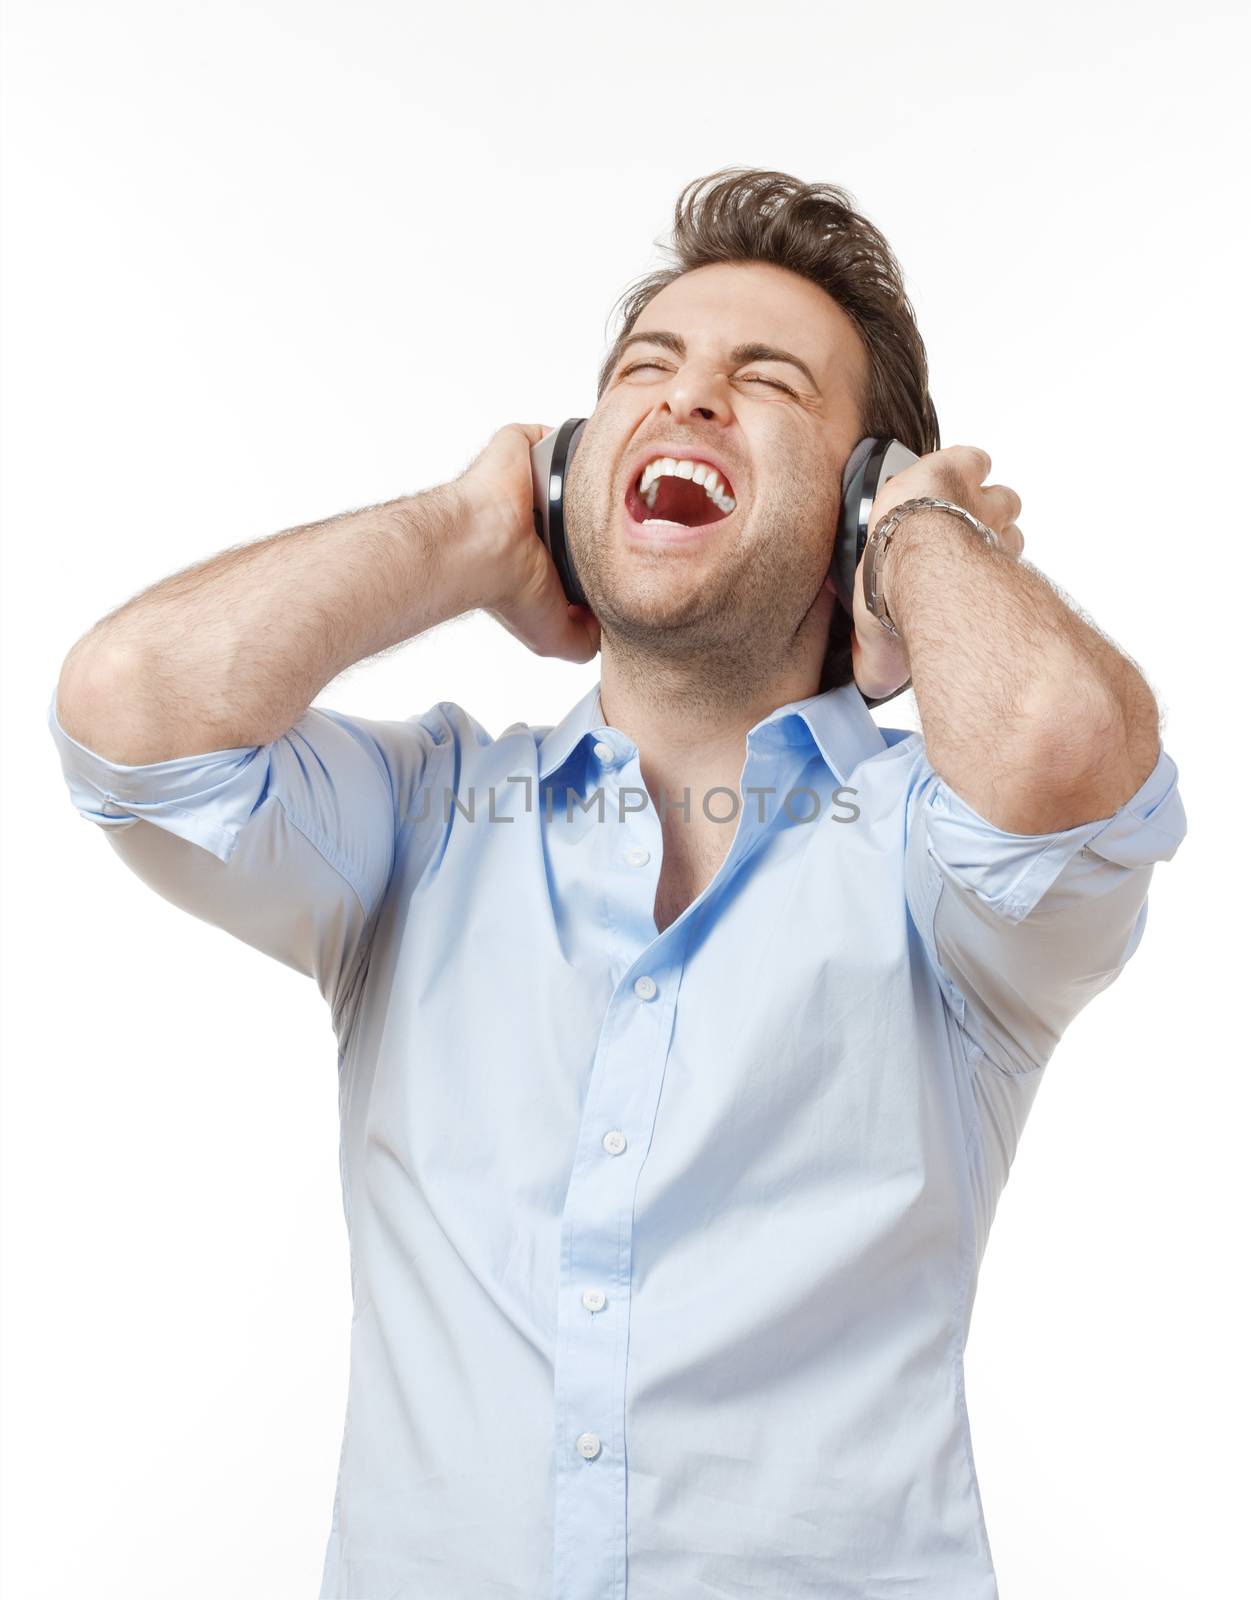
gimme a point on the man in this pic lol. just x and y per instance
(674, 1110)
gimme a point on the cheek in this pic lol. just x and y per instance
(586, 482)
(804, 498)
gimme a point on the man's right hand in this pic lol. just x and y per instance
(521, 587)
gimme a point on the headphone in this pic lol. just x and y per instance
(868, 467)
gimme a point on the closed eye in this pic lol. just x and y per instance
(656, 367)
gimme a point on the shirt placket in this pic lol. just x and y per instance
(627, 1072)
(589, 1532)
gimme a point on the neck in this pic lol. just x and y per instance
(690, 724)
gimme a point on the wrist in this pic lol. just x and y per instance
(926, 527)
(892, 535)
(454, 544)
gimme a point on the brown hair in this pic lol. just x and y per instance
(813, 229)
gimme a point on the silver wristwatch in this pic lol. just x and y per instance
(879, 540)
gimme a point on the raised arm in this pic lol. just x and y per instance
(186, 735)
(232, 651)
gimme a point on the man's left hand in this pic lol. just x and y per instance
(958, 473)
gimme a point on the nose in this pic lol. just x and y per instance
(693, 392)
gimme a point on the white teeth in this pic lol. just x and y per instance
(666, 466)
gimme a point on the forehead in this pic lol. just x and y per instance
(734, 302)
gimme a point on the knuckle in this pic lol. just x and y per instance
(953, 484)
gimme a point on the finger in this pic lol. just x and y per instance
(533, 431)
(1012, 540)
(1002, 505)
(970, 461)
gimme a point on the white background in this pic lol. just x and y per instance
(264, 263)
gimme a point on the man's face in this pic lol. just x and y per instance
(745, 591)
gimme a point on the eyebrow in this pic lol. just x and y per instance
(753, 351)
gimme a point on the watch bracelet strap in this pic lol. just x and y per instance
(879, 541)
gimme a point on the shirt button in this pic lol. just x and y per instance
(638, 857)
(614, 1142)
(588, 1445)
(645, 988)
(593, 1299)
(605, 752)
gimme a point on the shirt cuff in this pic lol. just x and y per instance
(1011, 872)
(206, 799)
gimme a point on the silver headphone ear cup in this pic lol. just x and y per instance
(845, 554)
(891, 457)
(855, 461)
(566, 442)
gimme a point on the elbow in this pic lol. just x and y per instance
(1096, 755)
(95, 707)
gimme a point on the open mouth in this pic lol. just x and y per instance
(674, 501)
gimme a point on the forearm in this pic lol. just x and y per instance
(1027, 711)
(234, 650)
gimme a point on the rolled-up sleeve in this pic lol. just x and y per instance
(1024, 929)
(288, 846)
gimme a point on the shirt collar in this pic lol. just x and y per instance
(838, 722)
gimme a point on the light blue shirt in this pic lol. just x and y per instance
(664, 1245)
